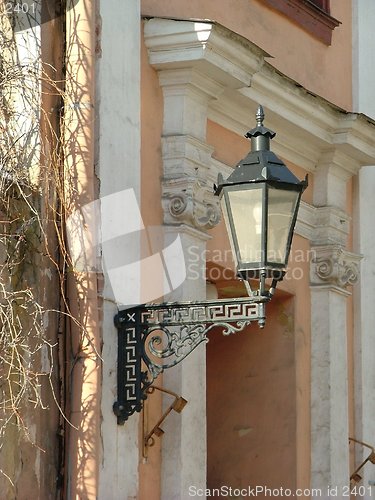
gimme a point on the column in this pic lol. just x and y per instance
(195, 63)
(363, 46)
(333, 268)
(119, 168)
(364, 319)
(189, 210)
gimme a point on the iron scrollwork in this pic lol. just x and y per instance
(154, 337)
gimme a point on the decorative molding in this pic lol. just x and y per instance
(340, 164)
(187, 194)
(332, 226)
(334, 266)
(195, 153)
(235, 112)
(210, 48)
(322, 225)
(309, 129)
(190, 208)
(307, 125)
(306, 221)
(182, 79)
(333, 171)
(186, 95)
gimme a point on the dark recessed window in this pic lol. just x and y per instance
(312, 15)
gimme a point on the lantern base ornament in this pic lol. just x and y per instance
(154, 337)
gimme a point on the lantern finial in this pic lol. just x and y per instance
(259, 116)
(260, 136)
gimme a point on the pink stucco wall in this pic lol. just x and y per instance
(251, 404)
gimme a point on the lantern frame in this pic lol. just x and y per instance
(260, 169)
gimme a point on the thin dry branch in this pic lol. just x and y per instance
(32, 194)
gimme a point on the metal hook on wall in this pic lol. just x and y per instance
(177, 405)
(355, 477)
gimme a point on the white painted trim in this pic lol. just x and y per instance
(119, 168)
(173, 44)
(364, 321)
(329, 389)
(306, 221)
(363, 49)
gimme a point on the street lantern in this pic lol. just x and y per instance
(260, 202)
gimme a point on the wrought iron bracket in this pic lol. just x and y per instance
(154, 337)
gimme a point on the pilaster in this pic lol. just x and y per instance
(332, 270)
(119, 112)
(187, 196)
(190, 209)
(364, 321)
(333, 171)
(184, 452)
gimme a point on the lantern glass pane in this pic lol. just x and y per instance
(245, 224)
(281, 208)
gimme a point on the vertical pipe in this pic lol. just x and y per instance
(85, 372)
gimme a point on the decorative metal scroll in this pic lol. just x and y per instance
(154, 337)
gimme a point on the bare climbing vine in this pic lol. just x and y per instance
(33, 257)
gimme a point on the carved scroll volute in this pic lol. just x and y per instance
(186, 208)
(333, 265)
(187, 185)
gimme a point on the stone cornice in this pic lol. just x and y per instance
(307, 125)
(187, 79)
(217, 167)
(354, 137)
(341, 164)
(229, 58)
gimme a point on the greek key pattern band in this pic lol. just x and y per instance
(159, 336)
(200, 314)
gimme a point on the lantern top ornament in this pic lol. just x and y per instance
(260, 164)
(260, 201)
(260, 130)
